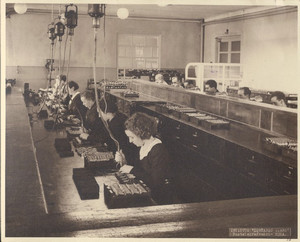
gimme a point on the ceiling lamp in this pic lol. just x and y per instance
(20, 8)
(123, 13)
(96, 11)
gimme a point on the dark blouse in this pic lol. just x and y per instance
(93, 123)
(116, 126)
(77, 108)
(154, 169)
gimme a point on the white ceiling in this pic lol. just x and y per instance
(190, 12)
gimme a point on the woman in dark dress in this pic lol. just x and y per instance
(154, 164)
(115, 121)
(96, 132)
(75, 105)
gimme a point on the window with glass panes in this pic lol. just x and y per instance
(229, 49)
(137, 51)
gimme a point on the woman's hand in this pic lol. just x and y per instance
(120, 158)
(84, 130)
(126, 169)
(84, 136)
(71, 117)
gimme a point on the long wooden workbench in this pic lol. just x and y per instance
(41, 199)
(237, 154)
(278, 120)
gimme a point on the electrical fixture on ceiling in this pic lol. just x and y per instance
(96, 11)
(123, 13)
(20, 8)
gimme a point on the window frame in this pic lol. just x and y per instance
(229, 39)
(133, 55)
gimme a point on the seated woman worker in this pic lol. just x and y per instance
(154, 163)
(95, 129)
(115, 121)
(75, 105)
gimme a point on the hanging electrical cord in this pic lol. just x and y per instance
(51, 66)
(65, 48)
(69, 62)
(81, 119)
(104, 71)
(69, 57)
(96, 92)
(59, 60)
(71, 18)
(104, 46)
(54, 50)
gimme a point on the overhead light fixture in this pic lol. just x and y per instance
(72, 17)
(20, 8)
(59, 29)
(123, 13)
(96, 11)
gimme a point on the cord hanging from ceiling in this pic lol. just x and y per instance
(97, 11)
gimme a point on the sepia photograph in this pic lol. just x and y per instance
(149, 119)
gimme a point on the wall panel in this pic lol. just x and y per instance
(28, 45)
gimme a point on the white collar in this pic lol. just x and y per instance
(73, 96)
(146, 148)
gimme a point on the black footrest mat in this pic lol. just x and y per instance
(62, 145)
(49, 123)
(86, 184)
(63, 154)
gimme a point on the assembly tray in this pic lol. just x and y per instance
(127, 195)
(215, 124)
(198, 120)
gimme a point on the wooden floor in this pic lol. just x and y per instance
(41, 199)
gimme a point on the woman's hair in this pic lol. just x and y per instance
(247, 91)
(89, 95)
(211, 83)
(73, 84)
(63, 78)
(142, 125)
(279, 95)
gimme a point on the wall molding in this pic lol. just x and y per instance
(249, 14)
(10, 11)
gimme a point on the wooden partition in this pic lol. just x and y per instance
(276, 120)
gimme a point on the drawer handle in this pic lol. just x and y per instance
(178, 127)
(195, 146)
(286, 192)
(252, 161)
(177, 137)
(251, 174)
(288, 178)
(195, 134)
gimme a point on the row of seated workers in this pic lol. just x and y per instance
(141, 152)
(278, 98)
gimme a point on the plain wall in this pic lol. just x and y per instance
(268, 50)
(28, 46)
